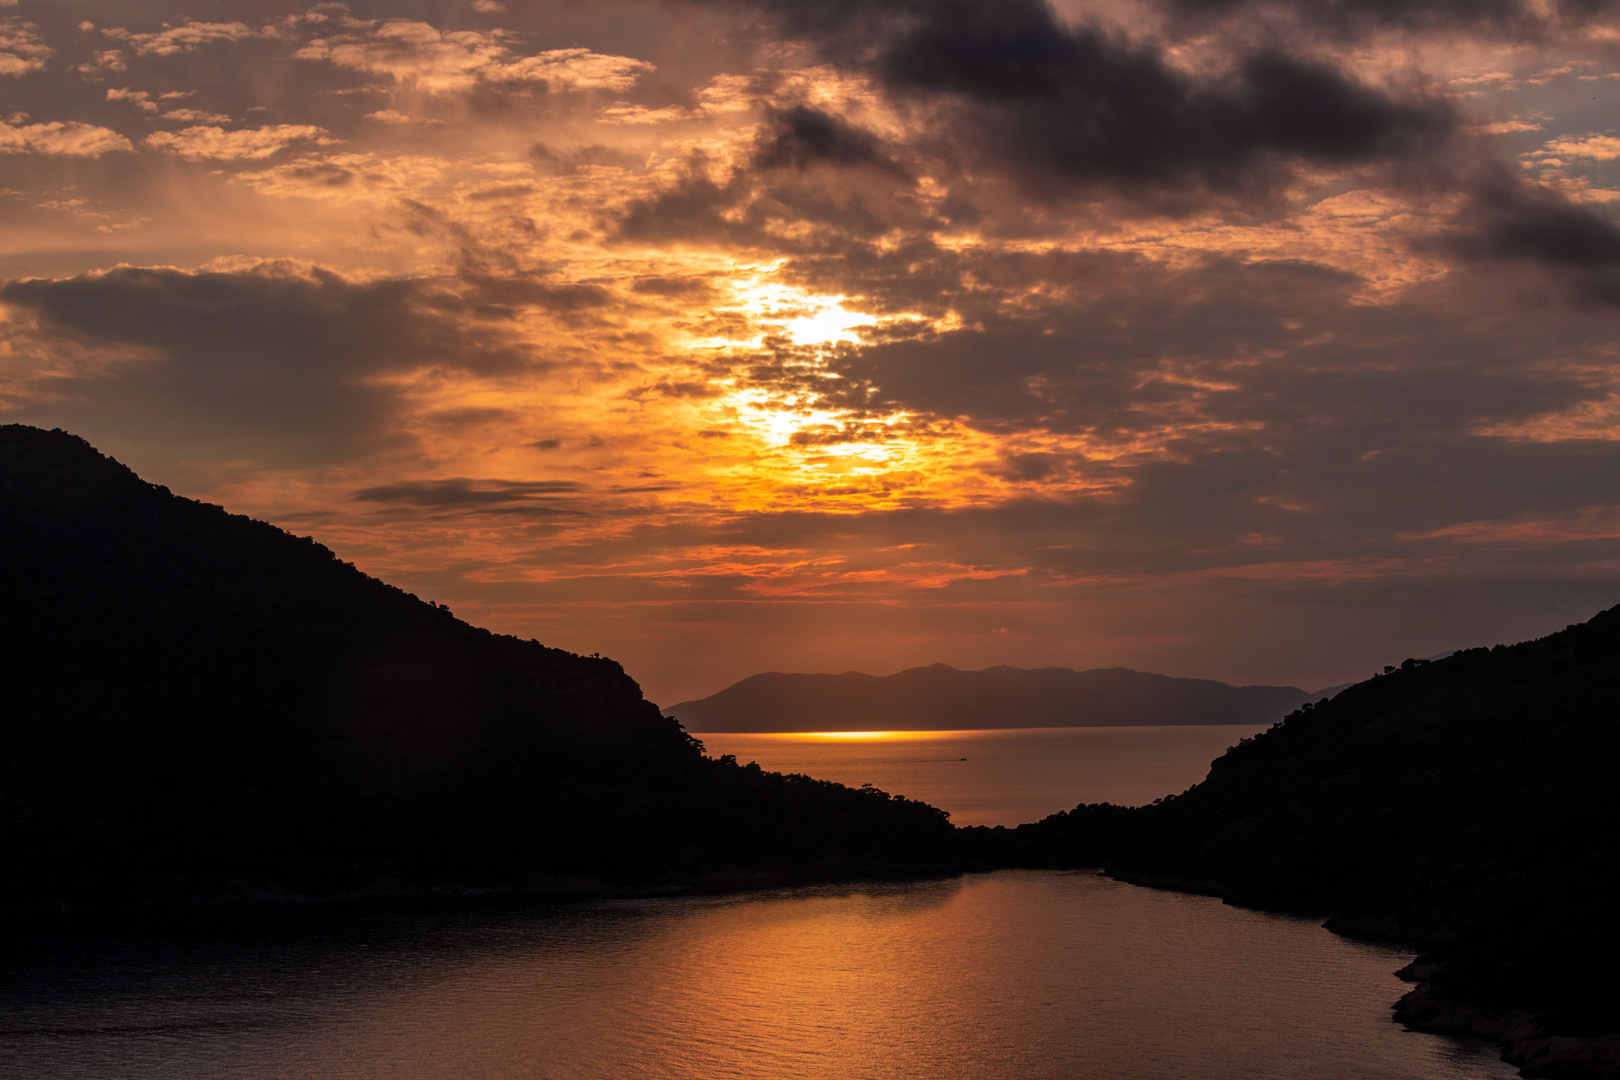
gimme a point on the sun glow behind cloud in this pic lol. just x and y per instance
(637, 344)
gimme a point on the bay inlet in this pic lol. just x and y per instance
(998, 777)
(1034, 975)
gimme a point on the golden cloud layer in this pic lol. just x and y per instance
(636, 335)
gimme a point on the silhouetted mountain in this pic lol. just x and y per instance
(195, 703)
(1472, 802)
(942, 697)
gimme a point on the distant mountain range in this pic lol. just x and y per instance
(943, 697)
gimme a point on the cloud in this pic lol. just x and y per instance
(1062, 108)
(397, 119)
(70, 139)
(721, 94)
(187, 37)
(675, 288)
(580, 158)
(801, 137)
(505, 293)
(915, 312)
(805, 178)
(213, 143)
(419, 55)
(195, 116)
(1590, 147)
(108, 60)
(1103, 359)
(276, 362)
(696, 210)
(21, 48)
(1522, 17)
(141, 99)
(1075, 108)
(1508, 218)
(460, 491)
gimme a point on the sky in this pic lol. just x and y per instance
(1267, 342)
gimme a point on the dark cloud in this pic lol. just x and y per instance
(1008, 90)
(1078, 108)
(692, 210)
(576, 158)
(675, 388)
(1061, 107)
(674, 288)
(1510, 219)
(765, 206)
(1516, 16)
(276, 362)
(470, 417)
(463, 492)
(323, 173)
(509, 292)
(802, 137)
(1036, 466)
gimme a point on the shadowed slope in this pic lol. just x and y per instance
(196, 703)
(1471, 802)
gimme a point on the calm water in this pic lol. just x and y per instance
(1006, 976)
(1009, 776)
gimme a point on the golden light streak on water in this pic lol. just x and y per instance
(869, 736)
(1034, 975)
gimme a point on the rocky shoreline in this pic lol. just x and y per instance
(1527, 1040)
(1524, 1037)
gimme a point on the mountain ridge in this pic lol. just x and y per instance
(939, 696)
(197, 704)
(1467, 803)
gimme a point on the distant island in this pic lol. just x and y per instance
(943, 697)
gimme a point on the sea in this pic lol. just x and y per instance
(998, 777)
(1011, 975)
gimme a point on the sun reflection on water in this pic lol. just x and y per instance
(869, 736)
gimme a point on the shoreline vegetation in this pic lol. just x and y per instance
(1465, 804)
(203, 708)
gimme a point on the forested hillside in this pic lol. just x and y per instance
(1471, 803)
(195, 703)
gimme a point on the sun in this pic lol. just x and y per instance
(829, 323)
(762, 309)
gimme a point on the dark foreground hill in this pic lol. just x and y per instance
(1472, 802)
(942, 697)
(193, 703)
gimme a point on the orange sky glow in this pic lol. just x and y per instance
(1256, 341)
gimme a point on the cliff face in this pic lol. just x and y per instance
(198, 703)
(940, 696)
(1471, 802)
